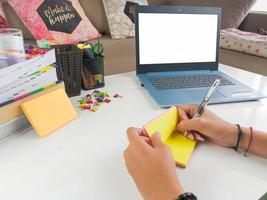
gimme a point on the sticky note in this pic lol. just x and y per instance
(49, 112)
(181, 147)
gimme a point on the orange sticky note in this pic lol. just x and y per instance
(181, 147)
(49, 112)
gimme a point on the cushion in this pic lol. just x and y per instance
(58, 21)
(233, 11)
(3, 20)
(120, 15)
(158, 2)
(96, 13)
(246, 42)
(14, 21)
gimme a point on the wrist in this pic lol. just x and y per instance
(232, 134)
(175, 192)
(169, 193)
(234, 137)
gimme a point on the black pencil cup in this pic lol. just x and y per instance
(93, 73)
(69, 61)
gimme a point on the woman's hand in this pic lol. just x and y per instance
(209, 126)
(150, 163)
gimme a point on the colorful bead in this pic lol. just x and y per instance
(92, 101)
(107, 100)
(94, 109)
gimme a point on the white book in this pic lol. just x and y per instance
(28, 84)
(19, 70)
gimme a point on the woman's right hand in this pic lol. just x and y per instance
(207, 127)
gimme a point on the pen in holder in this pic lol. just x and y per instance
(93, 73)
(93, 65)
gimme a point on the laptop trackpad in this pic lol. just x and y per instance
(199, 94)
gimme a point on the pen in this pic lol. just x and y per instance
(205, 102)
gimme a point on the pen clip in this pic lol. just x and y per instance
(212, 89)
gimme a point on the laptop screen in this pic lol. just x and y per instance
(177, 38)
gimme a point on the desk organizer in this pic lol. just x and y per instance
(69, 61)
(93, 73)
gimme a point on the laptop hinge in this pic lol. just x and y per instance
(180, 72)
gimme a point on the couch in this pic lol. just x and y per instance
(120, 54)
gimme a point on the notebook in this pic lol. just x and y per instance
(49, 112)
(181, 147)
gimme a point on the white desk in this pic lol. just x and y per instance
(84, 160)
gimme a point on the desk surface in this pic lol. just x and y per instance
(84, 160)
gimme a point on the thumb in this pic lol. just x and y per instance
(156, 139)
(193, 124)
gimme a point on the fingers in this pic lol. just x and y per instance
(193, 124)
(137, 136)
(189, 110)
(182, 114)
(156, 140)
(193, 135)
(134, 134)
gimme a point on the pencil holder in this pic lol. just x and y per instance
(93, 73)
(69, 61)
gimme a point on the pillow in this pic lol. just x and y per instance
(233, 11)
(58, 21)
(120, 15)
(3, 20)
(158, 2)
(96, 13)
(246, 42)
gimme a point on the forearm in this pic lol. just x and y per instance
(258, 144)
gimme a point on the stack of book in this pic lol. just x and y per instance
(22, 80)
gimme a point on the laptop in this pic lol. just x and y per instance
(177, 51)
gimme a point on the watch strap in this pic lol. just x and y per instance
(187, 196)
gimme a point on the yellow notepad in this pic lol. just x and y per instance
(181, 147)
(49, 112)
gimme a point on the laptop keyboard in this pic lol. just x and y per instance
(187, 81)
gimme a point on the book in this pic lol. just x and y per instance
(13, 110)
(49, 112)
(28, 85)
(13, 70)
(181, 147)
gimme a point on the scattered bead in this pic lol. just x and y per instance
(32, 52)
(107, 100)
(93, 100)
(87, 107)
(117, 96)
(99, 104)
(94, 109)
(83, 105)
(99, 100)
(90, 102)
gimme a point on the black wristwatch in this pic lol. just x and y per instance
(187, 196)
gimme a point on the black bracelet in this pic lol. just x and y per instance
(187, 196)
(240, 133)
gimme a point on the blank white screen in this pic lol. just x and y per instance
(177, 38)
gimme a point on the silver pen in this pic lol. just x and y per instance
(205, 102)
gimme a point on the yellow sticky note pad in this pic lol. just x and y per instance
(181, 147)
(49, 112)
